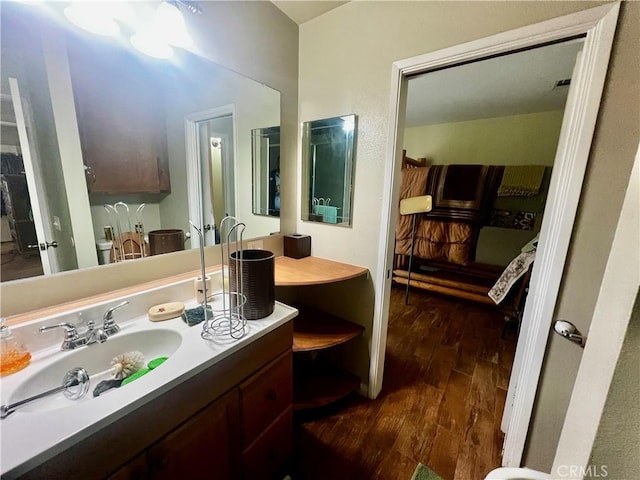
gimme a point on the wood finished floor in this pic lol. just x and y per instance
(445, 381)
(14, 266)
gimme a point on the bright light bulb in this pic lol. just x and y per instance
(94, 17)
(152, 45)
(170, 22)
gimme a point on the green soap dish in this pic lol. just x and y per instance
(156, 362)
(135, 376)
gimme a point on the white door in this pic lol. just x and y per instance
(517, 363)
(46, 242)
(587, 438)
(200, 128)
(215, 145)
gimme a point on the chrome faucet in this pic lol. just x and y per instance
(71, 337)
(109, 325)
(93, 335)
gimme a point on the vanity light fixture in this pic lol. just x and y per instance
(169, 20)
(166, 28)
(152, 44)
(98, 17)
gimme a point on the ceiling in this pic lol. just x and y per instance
(513, 84)
(301, 11)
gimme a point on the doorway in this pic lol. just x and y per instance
(26, 226)
(216, 151)
(508, 124)
(598, 26)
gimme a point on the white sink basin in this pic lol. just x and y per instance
(96, 360)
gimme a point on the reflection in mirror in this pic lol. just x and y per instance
(328, 164)
(108, 125)
(266, 170)
(215, 142)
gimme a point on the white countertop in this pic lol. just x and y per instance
(30, 437)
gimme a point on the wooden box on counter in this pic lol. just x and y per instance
(297, 245)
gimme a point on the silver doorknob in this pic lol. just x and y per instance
(569, 331)
(207, 227)
(44, 246)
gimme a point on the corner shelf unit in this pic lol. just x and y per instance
(315, 383)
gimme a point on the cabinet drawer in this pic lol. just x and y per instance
(264, 396)
(271, 452)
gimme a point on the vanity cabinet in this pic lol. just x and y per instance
(121, 122)
(266, 416)
(231, 421)
(204, 443)
(136, 469)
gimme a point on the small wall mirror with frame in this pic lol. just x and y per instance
(328, 152)
(265, 156)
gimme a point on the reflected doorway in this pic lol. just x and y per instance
(210, 167)
(25, 217)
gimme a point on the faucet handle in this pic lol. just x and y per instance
(70, 334)
(109, 326)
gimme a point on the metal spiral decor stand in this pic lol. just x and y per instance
(224, 311)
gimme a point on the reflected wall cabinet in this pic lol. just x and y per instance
(121, 121)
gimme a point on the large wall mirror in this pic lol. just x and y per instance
(89, 122)
(328, 152)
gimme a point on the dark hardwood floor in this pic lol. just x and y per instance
(14, 266)
(445, 380)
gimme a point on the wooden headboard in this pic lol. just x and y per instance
(408, 162)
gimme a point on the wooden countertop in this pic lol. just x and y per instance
(313, 271)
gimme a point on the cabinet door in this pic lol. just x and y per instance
(135, 469)
(122, 123)
(268, 457)
(206, 446)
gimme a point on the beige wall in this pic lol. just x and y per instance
(617, 442)
(345, 67)
(252, 38)
(529, 139)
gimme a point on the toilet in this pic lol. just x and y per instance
(510, 473)
(104, 248)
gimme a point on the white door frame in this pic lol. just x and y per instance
(194, 167)
(598, 27)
